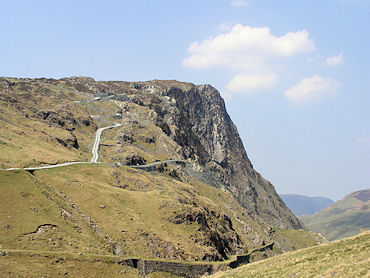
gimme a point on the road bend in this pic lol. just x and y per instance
(95, 148)
(94, 159)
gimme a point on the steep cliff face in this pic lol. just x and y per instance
(207, 135)
(205, 110)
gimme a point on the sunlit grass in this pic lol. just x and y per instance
(344, 258)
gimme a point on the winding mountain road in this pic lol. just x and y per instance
(94, 159)
(95, 148)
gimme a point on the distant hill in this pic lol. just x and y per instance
(300, 204)
(344, 218)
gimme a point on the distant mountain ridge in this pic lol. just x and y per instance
(344, 218)
(300, 204)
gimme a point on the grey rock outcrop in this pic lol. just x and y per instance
(208, 136)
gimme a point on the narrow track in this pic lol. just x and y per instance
(95, 148)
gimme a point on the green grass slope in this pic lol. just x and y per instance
(35, 217)
(144, 214)
(17, 263)
(344, 258)
(344, 218)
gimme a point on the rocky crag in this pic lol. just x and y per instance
(195, 118)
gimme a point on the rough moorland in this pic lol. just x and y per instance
(207, 206)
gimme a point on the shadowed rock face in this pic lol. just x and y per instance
(203, 111)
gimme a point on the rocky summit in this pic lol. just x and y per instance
(173, 179)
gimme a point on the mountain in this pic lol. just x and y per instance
(173, 180)
(345, 258)
(300, 204)
(344, 218)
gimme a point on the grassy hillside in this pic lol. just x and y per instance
(61, 264)
(48, 215)
(344, 218)
(144, 214)
(344, 258)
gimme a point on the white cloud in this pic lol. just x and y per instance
(311, 89)
(251, 83)
(247, 51)
(246, 47)
(238, 3)
(245, 42)
(335, 60)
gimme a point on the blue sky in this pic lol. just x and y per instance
(295, 74)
